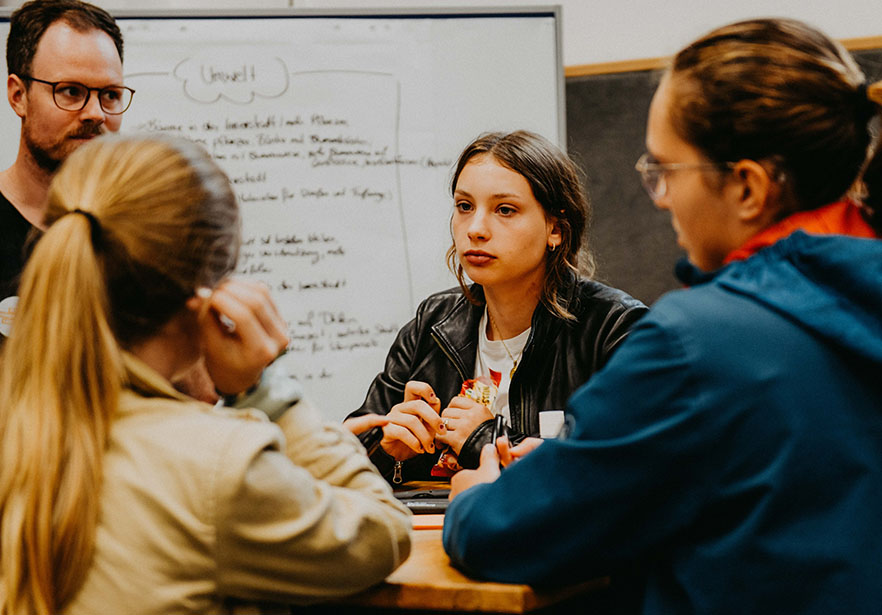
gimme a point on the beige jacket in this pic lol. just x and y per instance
(200, 505)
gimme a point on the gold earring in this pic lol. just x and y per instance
(552, 248)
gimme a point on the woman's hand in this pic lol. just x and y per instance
(462, 417)
(365, 422)
(413, 423)
(241, 332)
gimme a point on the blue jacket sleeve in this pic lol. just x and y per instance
(627, 477)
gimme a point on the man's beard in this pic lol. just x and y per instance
(50, 158)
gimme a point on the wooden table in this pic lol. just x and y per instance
(427, 582)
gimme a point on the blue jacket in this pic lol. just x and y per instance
(732, 448)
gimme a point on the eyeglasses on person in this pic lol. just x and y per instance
(73, 96)
(652, 173)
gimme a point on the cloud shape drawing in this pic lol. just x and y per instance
(237, 80)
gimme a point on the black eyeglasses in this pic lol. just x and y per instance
(73, 96)
(652, 173)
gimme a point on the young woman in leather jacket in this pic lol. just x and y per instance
(518, 222)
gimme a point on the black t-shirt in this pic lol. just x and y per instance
(14, 232)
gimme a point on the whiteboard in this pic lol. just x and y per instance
(339, 132)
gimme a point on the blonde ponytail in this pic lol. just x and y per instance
(59, 385)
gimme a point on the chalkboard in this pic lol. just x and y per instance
(339, 131)
(606, 120)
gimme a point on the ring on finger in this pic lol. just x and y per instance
(445, 422)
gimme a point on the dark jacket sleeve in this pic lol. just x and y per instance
(616, 329)
(470, 454)
(386, 390)
(414, 355)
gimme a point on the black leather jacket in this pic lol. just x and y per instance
(440, 346)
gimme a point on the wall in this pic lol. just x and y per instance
(606, 30)
(613, 30)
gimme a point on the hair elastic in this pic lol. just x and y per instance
(862, 90)
(94, 226)
(866, 108)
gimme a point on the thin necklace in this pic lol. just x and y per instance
(504, 345)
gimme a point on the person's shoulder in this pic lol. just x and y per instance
(11, 216)
(588, 290)
(181, 424)
(448, 294)
(700, 308)
(442, 301)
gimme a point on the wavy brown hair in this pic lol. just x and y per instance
(135, 225)
(556, 184)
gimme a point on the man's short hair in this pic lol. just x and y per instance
(29, 22)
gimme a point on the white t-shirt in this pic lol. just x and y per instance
(492, 354)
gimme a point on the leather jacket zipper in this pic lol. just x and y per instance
(450, 356)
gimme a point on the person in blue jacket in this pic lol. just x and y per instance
(731, 450)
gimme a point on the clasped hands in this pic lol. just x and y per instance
(418, 425)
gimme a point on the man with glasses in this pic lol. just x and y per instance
(64, 59)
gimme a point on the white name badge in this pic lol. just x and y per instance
(550, 422)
